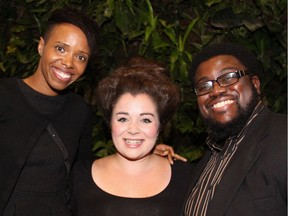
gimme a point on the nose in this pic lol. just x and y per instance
(133, 129)
(67, 61)
(217, 89)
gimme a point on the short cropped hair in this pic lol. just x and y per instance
(77, 18)
(141, 76)
(242, 54)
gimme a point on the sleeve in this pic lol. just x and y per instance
(85, 142)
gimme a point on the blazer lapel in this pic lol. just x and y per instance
(245, 157)
(232, 180)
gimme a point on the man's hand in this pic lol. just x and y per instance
(167, 151)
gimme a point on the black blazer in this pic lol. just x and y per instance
(255, 182)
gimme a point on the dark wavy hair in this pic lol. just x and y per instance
(244, 55)
(141, 76)
(77, 18)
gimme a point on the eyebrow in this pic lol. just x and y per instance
(147, 114)
(230, 68)
(142, 114)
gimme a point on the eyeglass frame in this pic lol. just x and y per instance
(239, 73)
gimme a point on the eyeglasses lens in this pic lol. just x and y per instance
(223, 80)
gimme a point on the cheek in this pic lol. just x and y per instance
(50, 54)
(244, 100)
(151, 132)
(201, 106)
(80, 68)
(117, 129)
(45, 59)
(245, 97)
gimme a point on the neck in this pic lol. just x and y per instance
(134, 166)
(35, 82)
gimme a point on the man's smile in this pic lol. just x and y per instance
(221, 104)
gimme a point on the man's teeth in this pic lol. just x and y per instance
(222, 103)
(63, 75)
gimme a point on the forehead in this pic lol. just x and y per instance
(218, 65)
(64, 30)
(68, 34)
(140, 100)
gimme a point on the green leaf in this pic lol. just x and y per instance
(171, 34)
(110, 4)
(189, 29)
(209, 3)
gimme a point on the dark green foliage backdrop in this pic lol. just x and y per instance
(170, 31)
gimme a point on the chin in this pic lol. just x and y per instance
(222, 128)
(226, 119)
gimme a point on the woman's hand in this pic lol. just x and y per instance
(168, 151)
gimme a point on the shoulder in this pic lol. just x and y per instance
(279, 118)
(276, 124)
(102, 166)
(75, 99)
(270, 114)
(76, 103)
(182, 168)
(82, 168)
(272, 117)
(8, 83)
(268, 127)
(101, 162)
(5, 81)
(9, 91)
(182, 176)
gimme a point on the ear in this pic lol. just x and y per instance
(41, 46)
(256, 83)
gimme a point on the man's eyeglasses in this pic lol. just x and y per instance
(223, 81)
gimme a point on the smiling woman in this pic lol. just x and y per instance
(53, 126)
(134, 125)
(64, 57)
(136, 102)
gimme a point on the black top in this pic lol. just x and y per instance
(44, 161)
(88, 199)
(33, 170)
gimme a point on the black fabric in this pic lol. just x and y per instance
(32, 168)
(255, 182)
(88, 199)
(46, 105)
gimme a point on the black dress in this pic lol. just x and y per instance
(88, 199)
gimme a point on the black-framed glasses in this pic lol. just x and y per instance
(223, 81)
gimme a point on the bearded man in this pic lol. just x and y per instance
(244, 171)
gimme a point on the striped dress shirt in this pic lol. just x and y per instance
(203, 192)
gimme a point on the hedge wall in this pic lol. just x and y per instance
(166, 30)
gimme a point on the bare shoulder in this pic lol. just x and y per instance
(161, 164)
(101, 164)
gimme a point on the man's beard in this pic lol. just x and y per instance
(219, 132)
